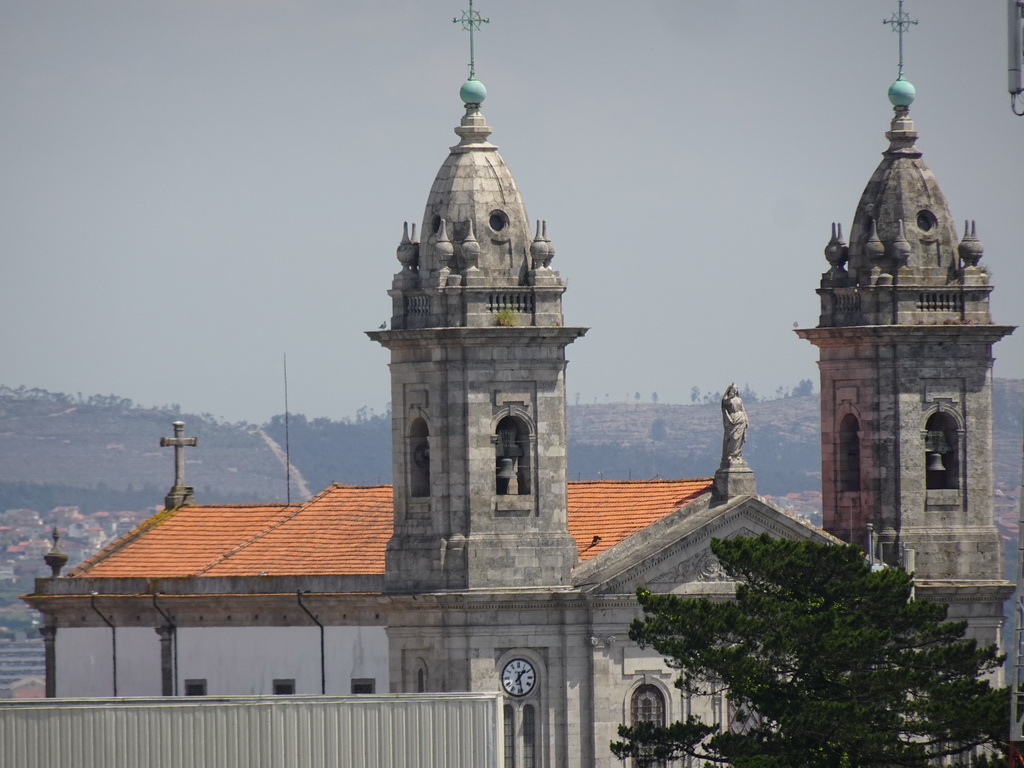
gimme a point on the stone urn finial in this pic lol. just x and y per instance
(970, 248)
(408, 249)
(837, 252)
(56, 558)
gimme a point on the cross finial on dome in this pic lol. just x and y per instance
(471, 20)
(900, 23)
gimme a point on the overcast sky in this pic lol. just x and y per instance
(191, 189)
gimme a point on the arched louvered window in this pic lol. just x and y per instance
(510, 735)
(512, 458)
(419, 459)
(941, 452)
(849, 453)
(529, 737)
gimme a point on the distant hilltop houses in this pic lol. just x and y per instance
(25, 535)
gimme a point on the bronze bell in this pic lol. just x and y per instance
(506, 471)
(935, 462)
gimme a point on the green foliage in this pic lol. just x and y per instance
(804, 389)
(505, 318)
(837, 666)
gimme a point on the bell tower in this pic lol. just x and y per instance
(905, 355)
(478, 363)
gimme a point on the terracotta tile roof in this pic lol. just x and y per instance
(344, 530)
(180, 542)
(614, 510)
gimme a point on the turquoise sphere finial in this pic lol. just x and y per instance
(901, 93)
(472, 92)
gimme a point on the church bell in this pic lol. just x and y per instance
(935, 462)
(506, 471)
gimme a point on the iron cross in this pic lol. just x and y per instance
(900, 23)
(178, 443)
(471, 20)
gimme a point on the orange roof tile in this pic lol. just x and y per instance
(344, 531)
(180, 542)
(603, 513)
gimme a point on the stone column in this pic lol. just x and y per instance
(167, 681)
(50, 649)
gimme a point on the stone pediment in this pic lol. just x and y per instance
(674, 554)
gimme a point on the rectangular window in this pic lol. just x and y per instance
(284, 687)
(195, 687)
(363, 685)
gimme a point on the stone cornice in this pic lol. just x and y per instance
(470, 337)
(208, 585)
(849, 335)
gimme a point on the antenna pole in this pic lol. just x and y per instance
(287, 441)
(1015, 29)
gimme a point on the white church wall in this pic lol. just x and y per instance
(247, 660)
(85, 662)
(138, 665)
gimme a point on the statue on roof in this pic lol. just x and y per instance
(734, 422)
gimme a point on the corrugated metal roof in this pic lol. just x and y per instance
(460, 730)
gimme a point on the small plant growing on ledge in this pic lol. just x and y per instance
(505, 318)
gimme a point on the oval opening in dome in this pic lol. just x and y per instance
(926, 221)
(435, 224)
(498, 220)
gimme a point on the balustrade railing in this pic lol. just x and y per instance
(940, 301)
(845, 303)
(515, 301)
(417, 305)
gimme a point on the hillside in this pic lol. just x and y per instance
(67, 450)
(107, 444)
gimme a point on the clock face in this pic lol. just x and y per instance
(518, 678)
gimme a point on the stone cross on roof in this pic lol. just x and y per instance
(180, 493)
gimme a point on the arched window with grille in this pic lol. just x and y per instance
(647, 706)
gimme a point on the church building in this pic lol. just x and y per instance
(482, 568)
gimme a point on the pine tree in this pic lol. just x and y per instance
(829, 663)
